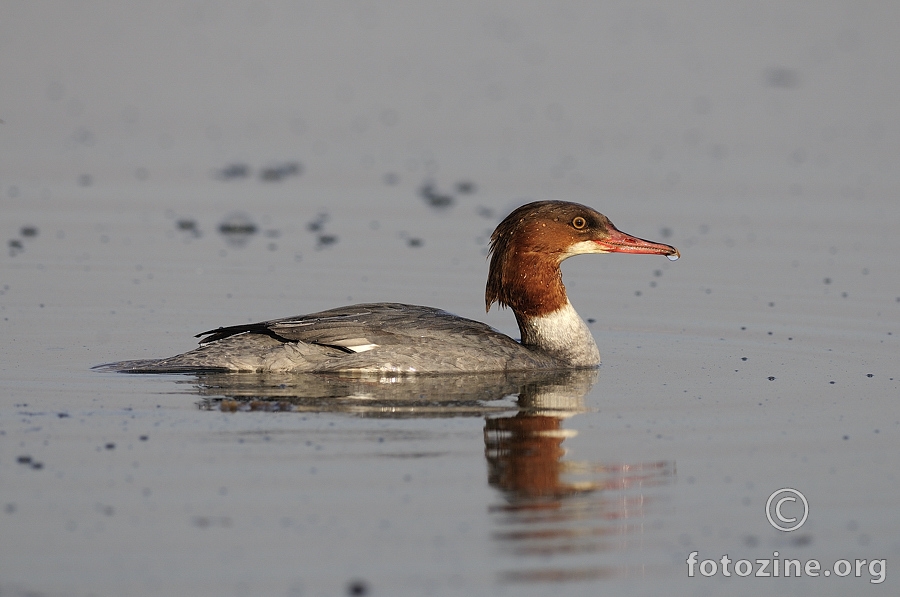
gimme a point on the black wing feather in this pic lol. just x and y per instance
(234, 330)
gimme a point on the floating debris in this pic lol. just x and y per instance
(318, 224)
(326, 240)
(30, 462)
(465, 187)
(233, 171)
(16, 245)
(188, 225)
(435, 199)
(237, 223)
(237, 228)
(412, 241)
(358, 587)
(281, 171)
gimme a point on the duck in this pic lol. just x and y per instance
(526, 250)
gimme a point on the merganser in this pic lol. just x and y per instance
(526, 250)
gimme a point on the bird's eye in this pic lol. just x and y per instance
(578, 222)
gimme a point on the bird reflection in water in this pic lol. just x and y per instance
(557, 519)
(553, 506)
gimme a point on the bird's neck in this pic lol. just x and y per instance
(531, 285)
(561, 333)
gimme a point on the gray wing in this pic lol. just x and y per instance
(378, 337)
(358, 328)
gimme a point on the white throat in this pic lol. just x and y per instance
(563, 334)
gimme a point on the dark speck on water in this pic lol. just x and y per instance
(28, 231)
(281, 171)
(434, 198)
(188, 225)
(801, 540)
(317, 224)
(233, 171)
(326, 240)
(358, 587)
(237, 228)
(465, 187)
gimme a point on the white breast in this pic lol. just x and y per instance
(564, 334)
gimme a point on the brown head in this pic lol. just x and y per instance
(528, 246)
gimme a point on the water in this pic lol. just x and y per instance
(766, 359)
(706, 403)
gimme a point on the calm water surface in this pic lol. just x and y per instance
(172, 167)
(745, 367)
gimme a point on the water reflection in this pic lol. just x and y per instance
(427, 396)
(556, 519)
(557, 513)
